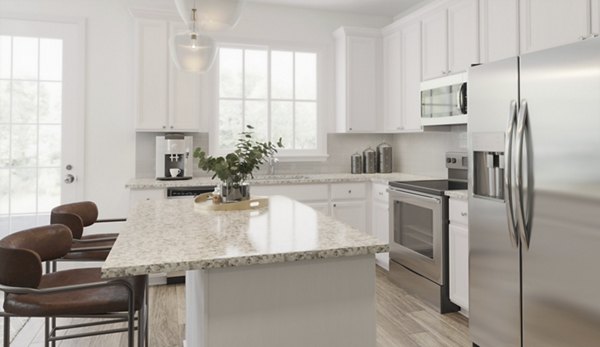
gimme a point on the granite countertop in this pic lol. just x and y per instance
(458, 194)
(175, 235)
(151, 183)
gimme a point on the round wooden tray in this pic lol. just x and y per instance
(205, 202)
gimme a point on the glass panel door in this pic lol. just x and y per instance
(41, 117)
(414, 229)
(30, 129)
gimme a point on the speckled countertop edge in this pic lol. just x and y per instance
(151, 183)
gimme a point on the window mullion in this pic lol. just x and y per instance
(243, 90)
(294, 100)
(269, 115)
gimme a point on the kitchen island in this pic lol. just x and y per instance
(285, 275)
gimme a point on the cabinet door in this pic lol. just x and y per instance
(362, 84)
(322, 207)
(499, 29)
(550, 23)
(139, 195)
(459, 265)
(463, 35)
(411, 76)
(392, 79)
(353, 213)
(151, 83)
(596, 17)
(184, 94)
(380, 229)
(435, 45)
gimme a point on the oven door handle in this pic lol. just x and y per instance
(412, 194)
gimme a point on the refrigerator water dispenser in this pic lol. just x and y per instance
(488, 174)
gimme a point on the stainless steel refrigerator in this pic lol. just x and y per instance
(534, 199)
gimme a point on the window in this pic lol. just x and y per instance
(275, 91)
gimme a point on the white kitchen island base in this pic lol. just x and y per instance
(318, 303)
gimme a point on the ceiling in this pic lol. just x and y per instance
(388, 8)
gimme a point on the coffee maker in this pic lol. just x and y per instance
(174, 157)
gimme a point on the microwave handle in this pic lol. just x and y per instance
(461, 98)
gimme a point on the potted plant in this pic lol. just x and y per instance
(235, 168)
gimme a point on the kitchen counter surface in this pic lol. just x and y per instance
(458, 194)
(175, 235)
(151, 183)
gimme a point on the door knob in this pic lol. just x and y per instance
(69, 179)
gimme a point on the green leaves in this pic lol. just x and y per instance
(235, 167)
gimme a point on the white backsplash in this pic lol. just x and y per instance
(424, 153)
(340, 148)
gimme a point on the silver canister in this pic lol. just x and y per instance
(356, 164)
(384, 158)
(370, 160)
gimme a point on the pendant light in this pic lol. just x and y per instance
(191, 51)
(212, 15)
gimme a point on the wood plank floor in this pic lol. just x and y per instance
(402, 321)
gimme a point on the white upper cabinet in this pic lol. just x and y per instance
(463, 35)
(450, 38)
(499, 29)
(402, 77)
(411, 76)
(358, 80)
(435, 44)
(151, 81)
(166, 99)
(392, 82)
(551, 23)
(184, 93)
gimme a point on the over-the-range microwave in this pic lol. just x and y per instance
(444, 100)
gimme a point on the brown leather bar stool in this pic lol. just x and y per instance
(77, 293)
(77, 216)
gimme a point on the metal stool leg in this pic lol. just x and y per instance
(6, 331)
(53, 329)
(46, 332)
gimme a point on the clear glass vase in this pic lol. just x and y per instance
(234, 191)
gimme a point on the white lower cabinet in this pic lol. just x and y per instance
(380, 220)
(322, 207)
(353, 213)
(137, 195)
(459, 254)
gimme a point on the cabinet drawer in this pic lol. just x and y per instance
(300, 192)
(380, 192)
(459, 211)
(348, 191)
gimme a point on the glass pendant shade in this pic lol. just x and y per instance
(192, 52)
(211, 15)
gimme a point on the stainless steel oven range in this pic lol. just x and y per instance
(419, 233)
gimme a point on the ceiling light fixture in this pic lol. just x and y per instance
(191, 51)
(212, 15)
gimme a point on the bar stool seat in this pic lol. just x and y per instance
(77, 302)
(89, 242)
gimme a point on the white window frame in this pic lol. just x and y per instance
(318, 154)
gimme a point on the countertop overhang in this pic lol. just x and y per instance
(151, 183)
(175, 235)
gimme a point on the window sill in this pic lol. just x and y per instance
(288, 158)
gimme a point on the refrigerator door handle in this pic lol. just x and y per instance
(524, 215)
(508, 172)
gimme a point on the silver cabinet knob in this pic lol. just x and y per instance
(171, 127)
(349, 191)
(69, 179)
(164, 126)
(464, 214)
(581, 38)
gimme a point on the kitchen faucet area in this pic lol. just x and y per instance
(268, 173)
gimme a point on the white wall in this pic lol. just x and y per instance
(424, 153)
(109, 135)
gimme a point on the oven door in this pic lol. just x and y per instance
(416, 232)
